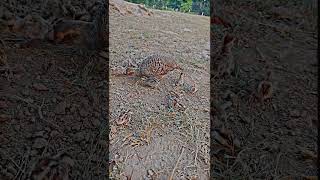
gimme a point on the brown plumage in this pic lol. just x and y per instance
(152, 69)
(157, 65)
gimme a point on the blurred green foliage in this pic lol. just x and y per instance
(201, 7)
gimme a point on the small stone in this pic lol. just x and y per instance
(295, 113)
(39, 143)
(95, 122)
(86, 137)
(73, 108)
(54, 100)
(61, 108)
(79, 136)
(68, 160)
(25, 92)
(33, 152)
(3, 105)
(274, 148)
(54, 133)
(237, 143)
(150, 173)
(291, 133)
(4, 117)
(96, 114)
(187, 30)
(33, 119)
(39, 134)
(82, 155)
(83, 112)
(40, 87)
(76, 127)
(27, 112)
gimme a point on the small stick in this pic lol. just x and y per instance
(175, 167)
(197, 150)
(260, 54)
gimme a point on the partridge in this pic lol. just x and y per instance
(153, 68)
(157, 66)
(223, 63)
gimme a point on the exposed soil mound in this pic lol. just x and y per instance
(81, 22)
(127, 8)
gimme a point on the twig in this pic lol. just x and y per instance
(15, 163)
(40, 111)
(275, 171)
(260, 54)
(3, 43)
(175, 167)
(197, 149)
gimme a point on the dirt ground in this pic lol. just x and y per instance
(53, 100)
(275, 139)
(159, 142)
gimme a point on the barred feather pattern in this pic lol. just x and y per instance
(156, 65)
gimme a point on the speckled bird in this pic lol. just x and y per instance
(153, 68)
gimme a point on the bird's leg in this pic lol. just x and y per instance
(151, 82)
(179, 79)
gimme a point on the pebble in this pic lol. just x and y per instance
(237, 143)
(291, 133)
(73, 108)
(83, 112)
(40, 87)
(33, 119)
(295, 113)
(54, 100)
(68, 160)
(96, 114)
(33, 153)
(4, 117)
(187, 30)
(39, 143)
(76, 127)
(54, 133)
(40, 134)
(274, 148)
(79, 136)
(82, 156)
(3, 105)
(61, 108)
(95, 122)
(150, 172)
